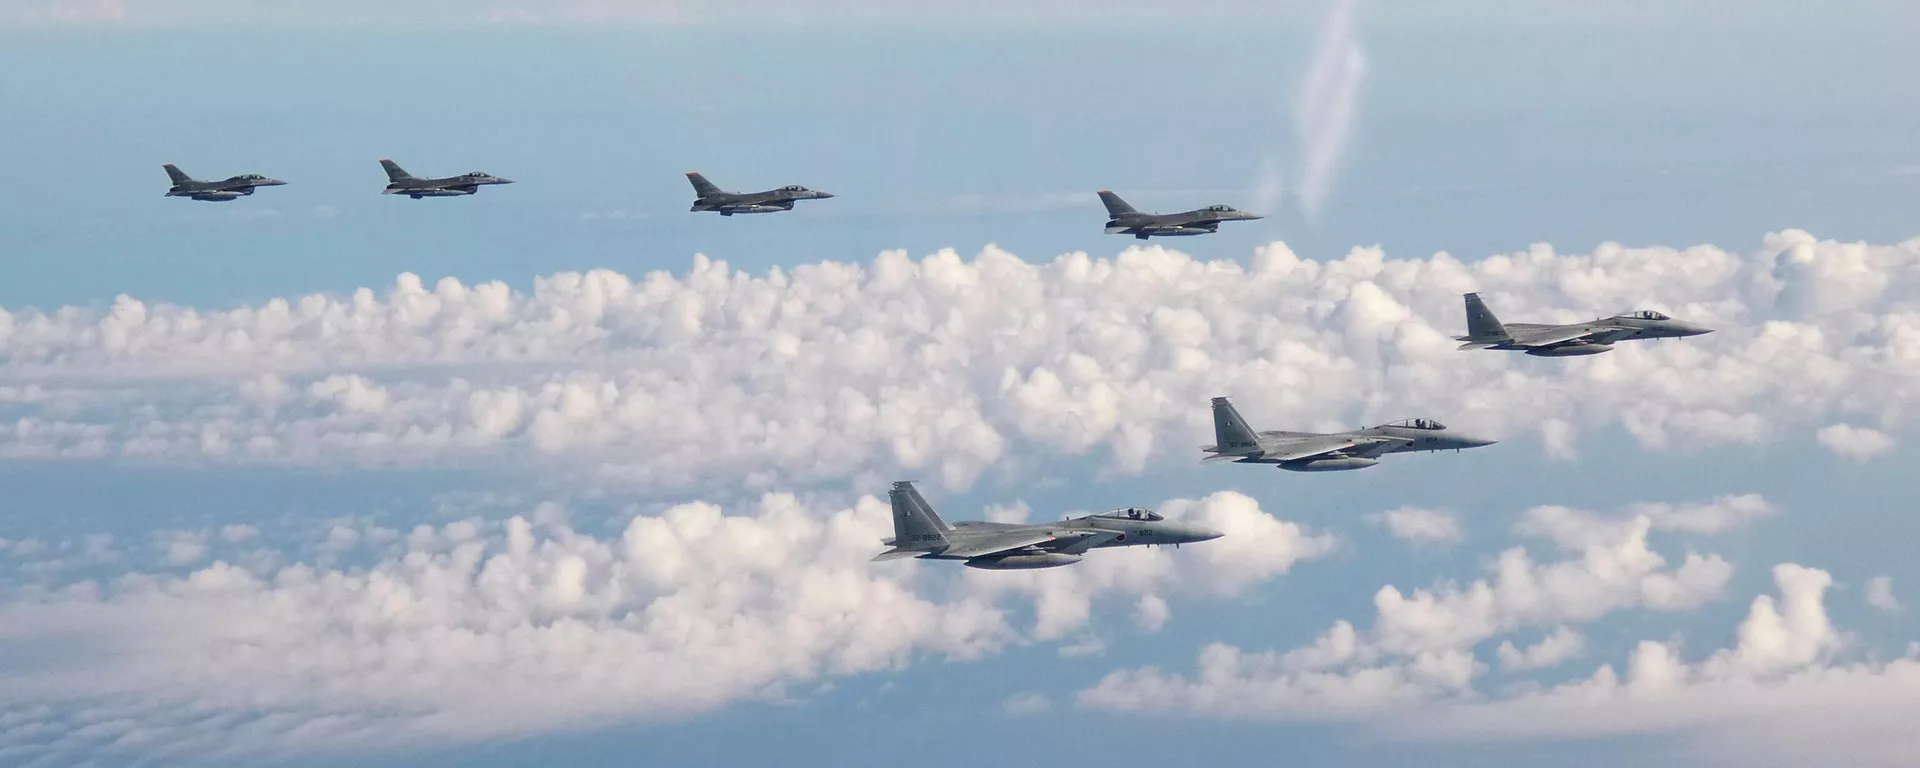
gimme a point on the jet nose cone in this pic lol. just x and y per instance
(1694, 330)
(1201, 533)
(498, 180)
(273, 183)
(823, 195)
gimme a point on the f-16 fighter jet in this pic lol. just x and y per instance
(708, 197)
(230, 188)
(1484, 331)
(1123, 219)
(1318, 452)
(402, 183)
(919, 532)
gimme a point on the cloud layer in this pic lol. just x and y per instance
(1421, 644)
(1783, 692)
(472, 631)
(945, 366)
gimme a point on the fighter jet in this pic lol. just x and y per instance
(1123, 219)
(919, 532)
(708, 197)
(230, 188)
(402, 183)
(1329, 452)
(1484, 331)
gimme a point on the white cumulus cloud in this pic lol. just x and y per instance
(1562, 644)
(1775, 696)
(1419, 525)
(1420, 646)
(1880, 595)
(1856, 443)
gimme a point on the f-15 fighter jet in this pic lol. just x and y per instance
(919, 532)
(1484, 331)
(1326, 452)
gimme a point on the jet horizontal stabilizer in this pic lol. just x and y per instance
(896, 554)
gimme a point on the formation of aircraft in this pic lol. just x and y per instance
(1484, 331)
(919, 532)
(1122, 219)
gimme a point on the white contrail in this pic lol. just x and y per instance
(1323, 109)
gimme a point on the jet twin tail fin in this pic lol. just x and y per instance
(178, 176)
(915, 524)
(1231, 435)
(394, 171)
(1115, 205)
(1482, 326)
(702, 187)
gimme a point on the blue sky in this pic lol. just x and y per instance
(153, 449)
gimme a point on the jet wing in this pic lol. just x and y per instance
(998, 542)
(1305, 447)
(1371, 449)
(895, 554)
(1088, 541)
(1558, 334)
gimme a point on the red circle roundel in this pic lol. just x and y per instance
(1121, 537)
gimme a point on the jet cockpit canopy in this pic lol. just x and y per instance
(793, 188)
(1648, 314)
(1419, 424)
(1220, 208)
(1132, 513)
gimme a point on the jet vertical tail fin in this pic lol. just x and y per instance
(1231, 435)
(394, 171)
(1482, 326)
(702, 187)
(915, 524)
(1115, 205)
(178, 176)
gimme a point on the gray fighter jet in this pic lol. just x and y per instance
(1484, 331)
(708, 197)
(1123, 219)
(230, 188)
(1326, 452)
(919, 532)
(402, 183)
